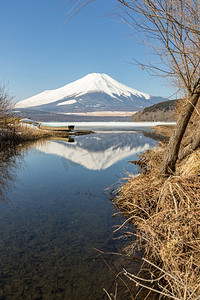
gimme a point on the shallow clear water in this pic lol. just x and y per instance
(56, 215)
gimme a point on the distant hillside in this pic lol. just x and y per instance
(43, 116)
(163, 111)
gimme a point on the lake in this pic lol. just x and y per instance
(55, 214)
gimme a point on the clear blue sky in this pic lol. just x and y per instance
(38, 51)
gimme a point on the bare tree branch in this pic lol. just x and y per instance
(172, 30)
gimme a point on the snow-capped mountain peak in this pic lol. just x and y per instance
(93, 92)
(97, 82)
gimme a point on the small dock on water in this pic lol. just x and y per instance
(57, 130)
(45, 126)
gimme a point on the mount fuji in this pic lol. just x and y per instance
(93, 93)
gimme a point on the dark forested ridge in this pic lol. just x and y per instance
(163, 111)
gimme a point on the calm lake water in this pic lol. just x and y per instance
(54, 214)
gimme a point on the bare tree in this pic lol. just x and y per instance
(172, 27)
(5, 103)
(172, 30)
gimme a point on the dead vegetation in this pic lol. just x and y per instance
(165, 130)
(14, 134)
(166, 213)
(11, 132)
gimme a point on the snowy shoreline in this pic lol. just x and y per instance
(108, 125)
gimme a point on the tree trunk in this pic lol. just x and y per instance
(195, 143)
(171, 155)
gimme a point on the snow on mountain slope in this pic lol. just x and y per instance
(93, 92)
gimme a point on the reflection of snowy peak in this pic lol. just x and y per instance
(99, 151)
(94, 92)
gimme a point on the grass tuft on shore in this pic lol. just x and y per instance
(166, 214)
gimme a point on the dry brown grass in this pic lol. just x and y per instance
(165, 130)
(12, 135)
(166, 213)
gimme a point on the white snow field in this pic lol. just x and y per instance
(96, 126)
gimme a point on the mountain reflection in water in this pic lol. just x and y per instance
(98, 151)
(58, 215)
